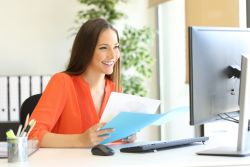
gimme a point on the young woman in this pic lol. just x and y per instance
(72, 104)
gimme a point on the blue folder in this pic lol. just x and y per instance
(128, 123)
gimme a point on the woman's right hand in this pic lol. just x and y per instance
(94, 135)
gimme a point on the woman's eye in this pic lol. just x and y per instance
(103, 47)
(117, 47)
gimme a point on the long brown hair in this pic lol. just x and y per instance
(84, 46)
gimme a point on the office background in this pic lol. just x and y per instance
(35, 40)
(174, 16)
(35, 37)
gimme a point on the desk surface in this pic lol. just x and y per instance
(181, 157)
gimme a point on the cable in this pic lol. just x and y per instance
(229, 118)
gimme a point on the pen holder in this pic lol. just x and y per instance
(17, 149)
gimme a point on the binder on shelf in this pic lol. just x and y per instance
(3, 99)
(35, 85)
(14, 98)
(45, 81)
(24, 88)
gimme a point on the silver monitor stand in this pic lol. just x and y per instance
(243, 145)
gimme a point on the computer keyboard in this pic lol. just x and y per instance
(162, 145)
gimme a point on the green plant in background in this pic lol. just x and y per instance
(99, 9)
(136, 61)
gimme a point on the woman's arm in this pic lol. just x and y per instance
(89, 138)
(49, 107)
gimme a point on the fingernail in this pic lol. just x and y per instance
(106, 136)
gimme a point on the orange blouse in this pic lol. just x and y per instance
(67, 107)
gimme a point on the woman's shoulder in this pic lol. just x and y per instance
(61, 76)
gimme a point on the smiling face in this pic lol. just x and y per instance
(106, 53)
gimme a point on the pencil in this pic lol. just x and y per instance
(19, 130)
(25, 124)
(28, 127)
(32, 126)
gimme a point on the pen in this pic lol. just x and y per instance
(19, 130)
(32, 126)
(25, 124)
(27, 129)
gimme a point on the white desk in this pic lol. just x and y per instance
(181, 157)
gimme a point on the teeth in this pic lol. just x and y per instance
(108, 62)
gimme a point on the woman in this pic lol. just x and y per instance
(71, 106)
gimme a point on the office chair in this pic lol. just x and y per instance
(28, 106)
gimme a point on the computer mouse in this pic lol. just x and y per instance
(102, 150)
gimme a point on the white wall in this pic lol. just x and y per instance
(174, 92)
(139, 15)
(35, 37)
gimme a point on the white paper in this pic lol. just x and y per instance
(121, 102)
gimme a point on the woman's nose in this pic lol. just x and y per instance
(112, 54)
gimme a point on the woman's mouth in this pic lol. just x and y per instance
(108, 63)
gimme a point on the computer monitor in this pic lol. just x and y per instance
(217, 86)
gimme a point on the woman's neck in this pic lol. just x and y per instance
(96, 82)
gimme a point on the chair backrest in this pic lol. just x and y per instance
(28, 106)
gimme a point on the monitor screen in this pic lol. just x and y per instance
(212, 91)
